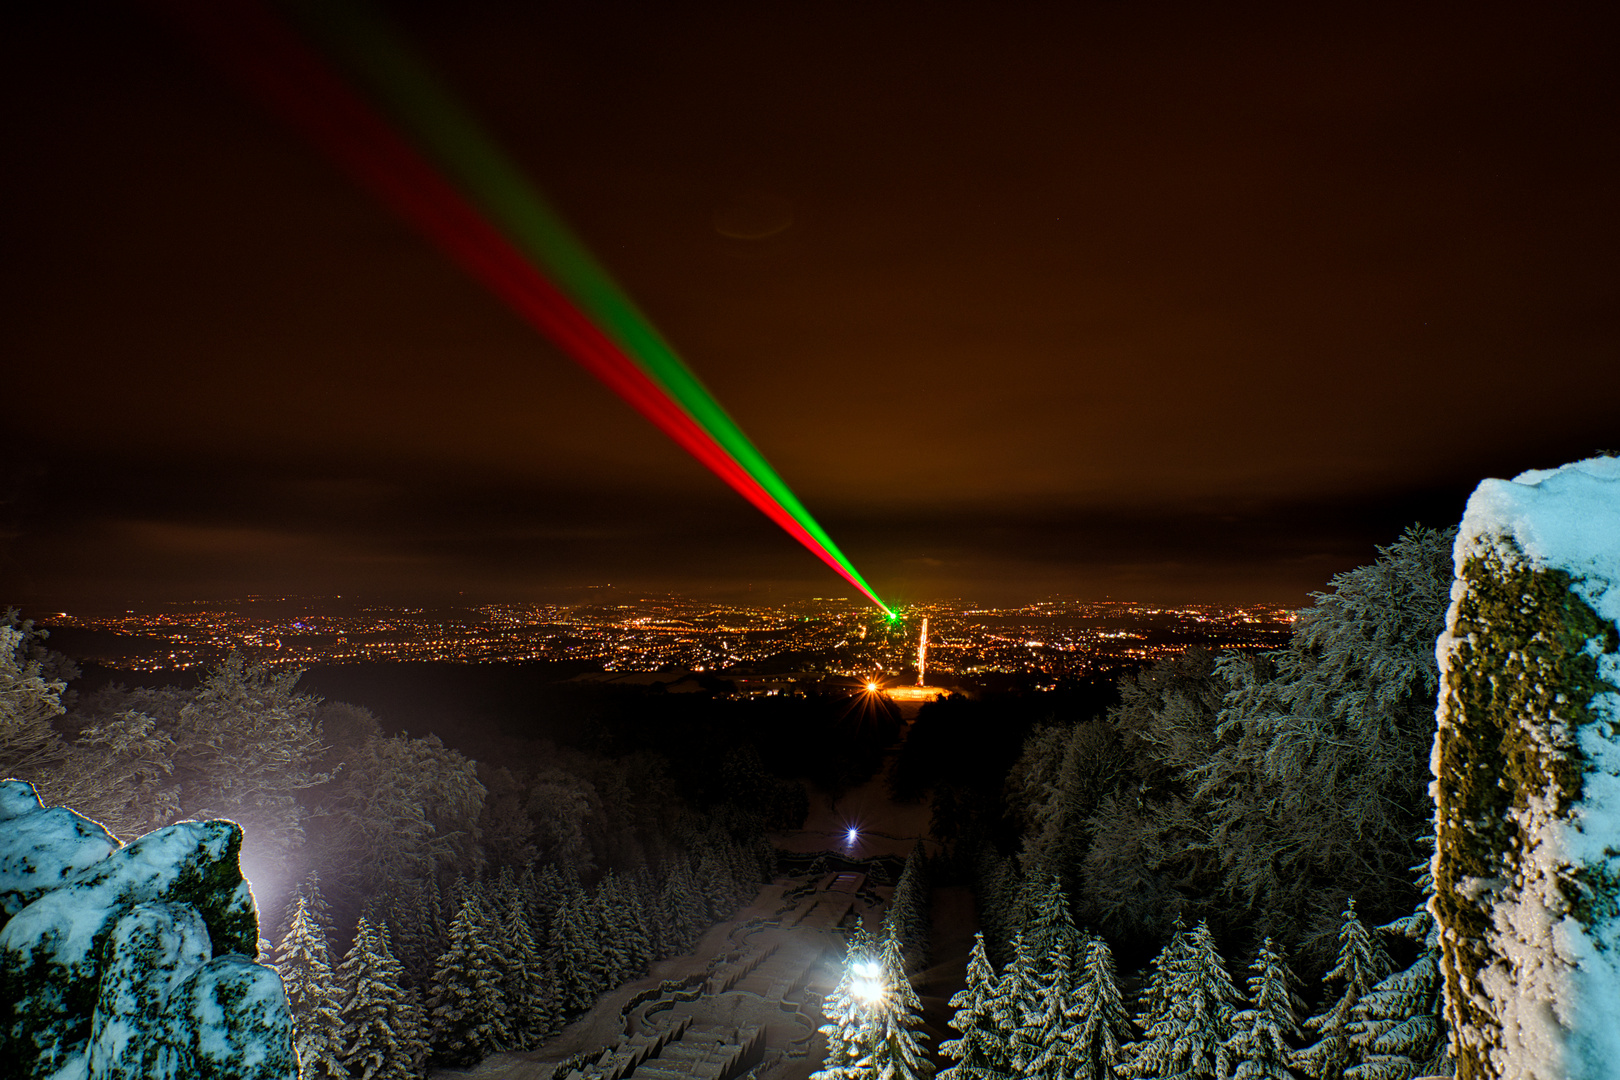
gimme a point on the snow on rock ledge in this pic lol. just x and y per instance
(135, 964)
(42, 847)
(1527, 779)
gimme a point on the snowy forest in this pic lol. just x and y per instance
(421, 907)
(1276, 803)
(427, 909)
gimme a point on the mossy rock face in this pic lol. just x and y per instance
(51, 951)
(1522, 736)
(152, 950)
(40, 849)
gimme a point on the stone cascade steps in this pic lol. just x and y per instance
(731, 974)
(705, 1053)
(621, 1059)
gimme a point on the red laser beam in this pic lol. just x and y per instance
(258, 51)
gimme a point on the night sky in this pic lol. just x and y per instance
(1180, 302)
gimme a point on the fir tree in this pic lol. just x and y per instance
(1320, 778)
(1260, 1040)
(1362, 963)
(574, 951)
(1019, 993)
(907, 914)
(1050, 925)
(715, 885)
(1104, 1029)
(529, 992)
(1043, 1047)
(1189, 1041)
(982, 1053)
(309, 891)
(848, 1043)
(893, 1019)
(1398, 1027)
(1157, 996)
(313, 996)
(466, 997)
(618, 946)
(633, 923)
(383, 1031)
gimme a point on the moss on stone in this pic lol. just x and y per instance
(1519, 685)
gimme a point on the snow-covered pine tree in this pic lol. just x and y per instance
(1362, 963)
(1104, 1030)
(549, 888)
(1049, 925)
(848, 1047)
(1018, 994)
(384, 1037)
(574, 951)
(715, 882)
(529, 992)
(1189, 1042)
(309, 891)
(1259, 1046)
(1153, 1004)
(314, 996)
(661, 924)
(633, 922)
(1398, 1026)
(982, 1053)
(610, 906)
(895, 1022)
(622, 947)
(414, 929)
(466, 999)
(996, 887)
(907, 915)
(1043, 1048)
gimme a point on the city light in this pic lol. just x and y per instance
(670, 633)
(871, 688)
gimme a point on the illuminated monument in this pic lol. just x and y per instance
(916, 695)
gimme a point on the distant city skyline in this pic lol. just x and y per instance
(836, 636)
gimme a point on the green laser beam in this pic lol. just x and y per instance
(456, 140)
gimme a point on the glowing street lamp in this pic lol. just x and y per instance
(851, 835)
(867, 985)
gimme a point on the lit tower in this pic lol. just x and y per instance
(922, 652)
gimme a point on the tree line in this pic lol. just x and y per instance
(1057, 1010)
(1258, 792)
(450, 976)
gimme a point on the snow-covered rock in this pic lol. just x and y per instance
(230, 1018)
(42, 848)
(150, 952)
(117, 960)
(1527, 778)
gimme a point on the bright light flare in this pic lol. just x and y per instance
(852, 834)
(871, 688)
(868, 985)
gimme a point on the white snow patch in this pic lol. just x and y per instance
(1564, 519)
